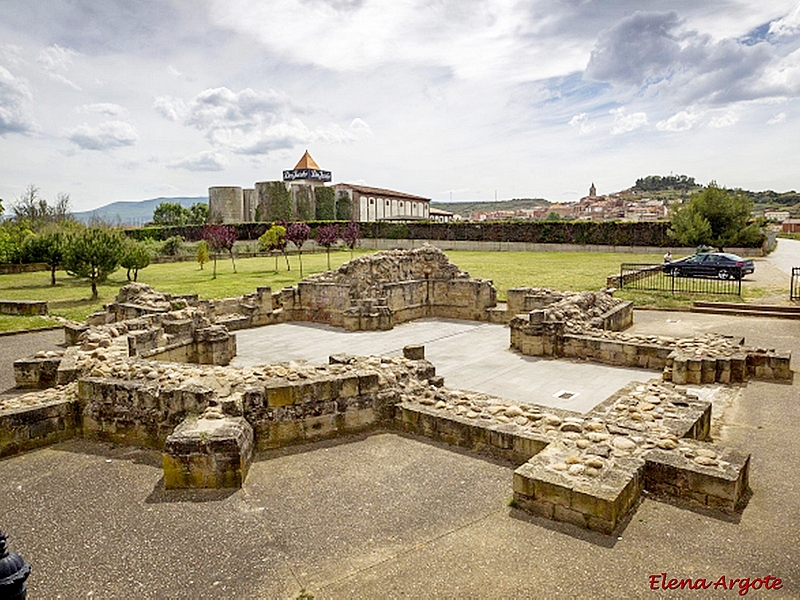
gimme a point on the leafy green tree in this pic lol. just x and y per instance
(93, 253)
(716, 217)
(197, 214)
(46, 247)
(203, 254)
(169, 214)
(274, 239)
(12, 239)
(134, 257)
(552, 216)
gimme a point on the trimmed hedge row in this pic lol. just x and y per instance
(606, 233)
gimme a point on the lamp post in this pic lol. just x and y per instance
(14, 572)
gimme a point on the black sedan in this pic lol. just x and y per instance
(710, 264)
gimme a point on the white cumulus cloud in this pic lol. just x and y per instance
(172, 109)
(15, 105)
(105, 136)
(681, 121)
(623, 123)
(728, 119)
(581, 122)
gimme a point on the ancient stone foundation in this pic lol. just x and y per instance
(590, 470)
(378, 291)
(588, 326)
(150, 370)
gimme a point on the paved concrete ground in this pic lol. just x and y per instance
(470, 355)
(786, 255)
(388, 516)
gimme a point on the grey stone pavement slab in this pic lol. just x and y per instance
(470, 355)
(389, 516)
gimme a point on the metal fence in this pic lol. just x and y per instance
(651, 277)
(794, 286)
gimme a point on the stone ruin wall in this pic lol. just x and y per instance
(378, 291)
(588, 325)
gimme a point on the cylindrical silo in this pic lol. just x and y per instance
(225, 204)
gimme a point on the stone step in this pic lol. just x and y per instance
(752, 310)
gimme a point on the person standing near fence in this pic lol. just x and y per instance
(668, 257)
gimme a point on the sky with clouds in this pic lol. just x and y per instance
(461, 99)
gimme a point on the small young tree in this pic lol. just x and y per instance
(203, 255)
(134, 257)
(326, 236)
(47, 247)
(298, 233)
(172, 246)
(274, 239)
(351, 234)
(93, 253)
(219, 238)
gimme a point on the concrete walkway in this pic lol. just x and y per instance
(470, 355)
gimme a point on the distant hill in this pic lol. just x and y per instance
(465, 208)
(132, 212)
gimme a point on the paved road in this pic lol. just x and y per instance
(786, 255)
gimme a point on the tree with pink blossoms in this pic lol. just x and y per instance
(326, 236)
(350, 235)
(298, 233)
(219, 238)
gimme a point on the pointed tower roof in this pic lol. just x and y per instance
(306, 162)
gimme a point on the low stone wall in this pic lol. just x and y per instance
(703, 359)
(352, 395)
(9, 268)
(136, 412)
(25, 428)
(23, 307)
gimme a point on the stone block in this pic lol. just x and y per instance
(414, 352)
(279, 393)
(208, 453)
(36, 372)
(722, 485)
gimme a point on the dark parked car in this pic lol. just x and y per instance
(710, 264)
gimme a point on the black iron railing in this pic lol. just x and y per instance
(652, 277)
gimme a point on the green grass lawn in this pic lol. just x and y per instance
(71, 297)
(577, 271)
